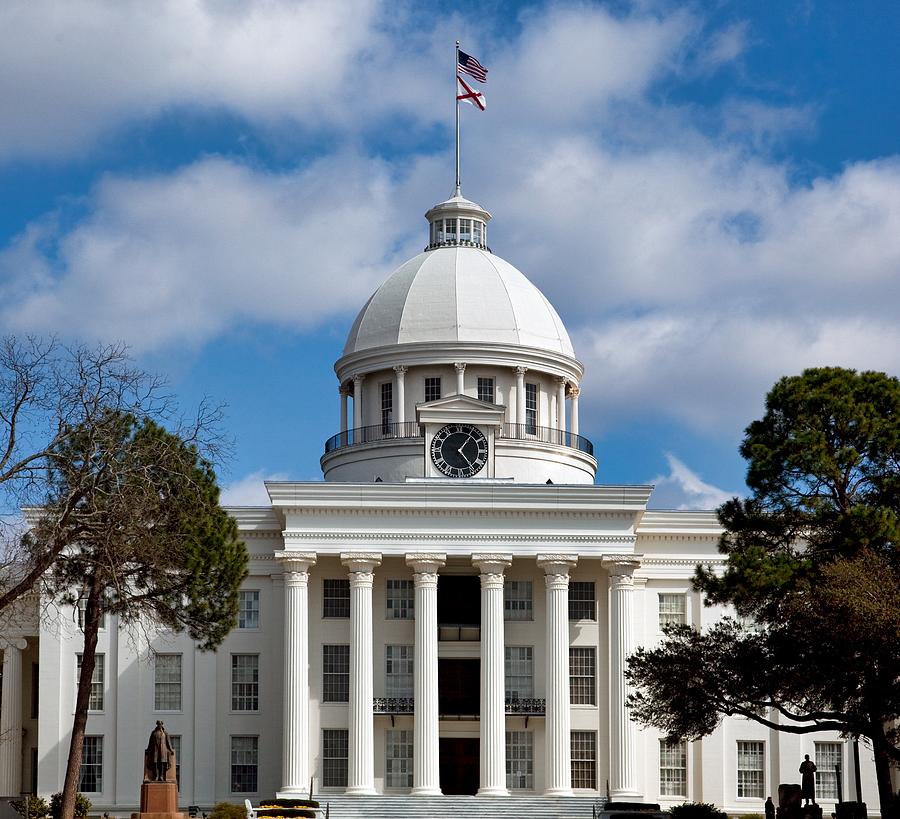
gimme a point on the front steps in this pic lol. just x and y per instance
(529, 806)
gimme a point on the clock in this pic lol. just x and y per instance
(459, 450)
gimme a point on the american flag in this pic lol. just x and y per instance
(472, 67)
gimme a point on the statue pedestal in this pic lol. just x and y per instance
(159, 800)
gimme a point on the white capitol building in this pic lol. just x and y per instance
(448, 612)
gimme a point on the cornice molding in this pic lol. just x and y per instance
(460, 537)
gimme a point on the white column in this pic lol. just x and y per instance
(343, 391)
(400, 393)
(295, 768)
(493, 682)
(460, 367)
(426, 745)
(520, 395)
(574, 392)
(361, 762)
(357, 401)
(558, 730)
(11, 719)
(622, 731)
(561, 404)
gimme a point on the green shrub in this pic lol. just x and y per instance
(752, 816)
(82, 806)
(34, 807)
(697, 810)
(228, 810)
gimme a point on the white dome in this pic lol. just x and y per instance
(463, 294)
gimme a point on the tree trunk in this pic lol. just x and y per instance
(91, 624)
(886, 798)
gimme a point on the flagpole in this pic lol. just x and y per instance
(456, 95)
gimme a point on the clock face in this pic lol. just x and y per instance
(459, 450)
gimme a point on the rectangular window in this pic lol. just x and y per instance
(519, 672)
(672, 610)
(167, 682)
(245, 682)
(517, 600)
(387, 407)
(828, 755)
(35, 693)
(335, 743)
(531, 409)
(95, 702)
(450, 228)
(751, 769)
(400, 599)
(398, 671)
(336, 597)
(432, 389)
(248, 609)
(398, 765)
(582, 676)
(672, 768)
(582, 600)
(336, 673)
(175, 739)
(486, 390)
(584, 759)
(244, 764)
(91, 780)
(476, 232)
(465, 230)
(519, 760)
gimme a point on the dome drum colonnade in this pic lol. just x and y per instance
(361, 567)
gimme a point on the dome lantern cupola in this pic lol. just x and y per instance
(457, 222)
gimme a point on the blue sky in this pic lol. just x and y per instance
(709, 193)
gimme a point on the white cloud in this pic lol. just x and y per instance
(250, 490)
(181, 258)
(683, 488)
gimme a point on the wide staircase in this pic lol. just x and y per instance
(342, 806)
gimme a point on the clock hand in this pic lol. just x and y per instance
(465, 457)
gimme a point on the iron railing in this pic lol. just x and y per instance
(377, 432)
(392, 705)
(412, 429)
(530, 707)
(547, 435)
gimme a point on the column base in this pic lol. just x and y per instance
(558, 792)
(293, 792)
(426, 792)
(361, 790)
(492, 792)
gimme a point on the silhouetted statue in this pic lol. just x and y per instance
(158, 755)
(808, 781)
(770, 808)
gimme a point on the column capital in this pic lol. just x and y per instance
(401, 369)
(18, 643)
(344, 390)
(562, 380)
(492, 566)
(556, 569)
(425, 566)
(520, 370)
(361, 565)
(460, 366)
(359, 378)
(295, 566)
(621, 570)
(574, 391)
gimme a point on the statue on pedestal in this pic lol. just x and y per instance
(808, 780)
(158, 756)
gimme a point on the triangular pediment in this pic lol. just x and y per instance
(460, 409)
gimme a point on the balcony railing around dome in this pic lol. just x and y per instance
(377, 432)
(412, 429)
(525, 707)
(547, 435)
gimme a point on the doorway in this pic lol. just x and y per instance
(459, 765)
(459, 687)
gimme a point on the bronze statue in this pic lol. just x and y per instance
(159, 752)
(808, 781)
